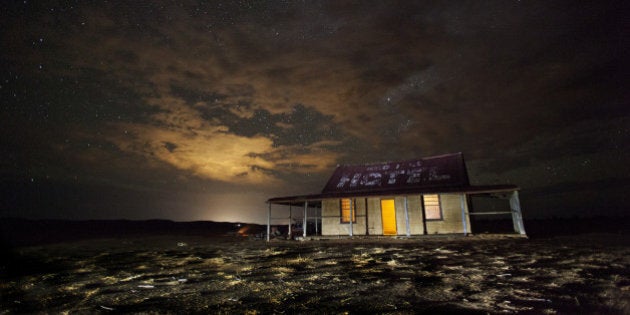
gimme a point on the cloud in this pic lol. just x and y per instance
(386, 78)
(178, 135)
(208, 153)
(261, 92)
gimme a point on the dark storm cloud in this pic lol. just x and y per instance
(252, 93)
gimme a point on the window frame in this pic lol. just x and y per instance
(354, 212)
(439, 205)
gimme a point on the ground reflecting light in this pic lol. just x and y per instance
(225, 274)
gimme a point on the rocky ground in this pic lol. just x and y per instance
(231, 274)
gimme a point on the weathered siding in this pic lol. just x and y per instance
(375, 223)
(400, 215)
(415, 215)
(451, 214)
(330, 217)
(360, 228)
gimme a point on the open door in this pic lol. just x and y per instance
(388, 214)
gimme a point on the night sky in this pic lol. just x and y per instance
(188, 110)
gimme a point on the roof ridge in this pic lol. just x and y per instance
(403, 161)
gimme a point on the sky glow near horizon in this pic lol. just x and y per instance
(164, 109)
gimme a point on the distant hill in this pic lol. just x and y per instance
(23, 232)
(20, 232)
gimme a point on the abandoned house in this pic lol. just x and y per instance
(426, 196)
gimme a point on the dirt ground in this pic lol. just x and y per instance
(232, 275)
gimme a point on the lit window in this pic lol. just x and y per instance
(345, 211)
(432, 208)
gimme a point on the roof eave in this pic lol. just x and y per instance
(471, 190)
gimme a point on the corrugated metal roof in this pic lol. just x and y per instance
(437, 174)
(431, 172)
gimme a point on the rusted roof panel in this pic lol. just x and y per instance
(427, 173)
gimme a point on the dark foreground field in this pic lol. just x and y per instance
(229, 274)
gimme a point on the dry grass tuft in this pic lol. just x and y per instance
(273, 252)
(362, 260)
(378, 250)
(300, 261)
(282, 271)
(215, 261)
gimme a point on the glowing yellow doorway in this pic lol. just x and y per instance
(388, 213)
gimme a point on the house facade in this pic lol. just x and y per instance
(394, 215)
(418, 197)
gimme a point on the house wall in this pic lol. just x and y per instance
(331, 218)
(451, 213)
(375, 223)
(414, 212)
